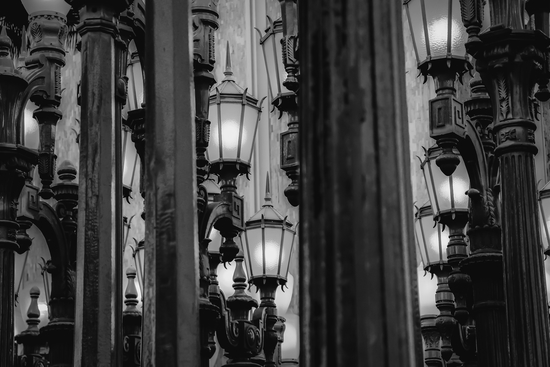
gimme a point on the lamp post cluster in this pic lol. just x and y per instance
(226, 121)
(497, 313)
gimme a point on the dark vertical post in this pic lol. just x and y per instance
(510, 62)
(358, 301)
(15, 164)
(171, 323)
(98, 303)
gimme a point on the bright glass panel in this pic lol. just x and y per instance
(427, 286)
(215, 241)
(432, 240)
(31, 137)
(35, 6)
(130, 159)
(290, 348)
(436, 18)
(230, 131)
(253, 250)
(250, 124)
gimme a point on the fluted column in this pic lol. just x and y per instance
(98, 304)
(358, 302)
(171, 326)
(510, 63)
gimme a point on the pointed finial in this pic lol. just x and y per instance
(228, 66)
(5, 43)
(267, 189)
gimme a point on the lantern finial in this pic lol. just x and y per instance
(267, 189)
(5, 41)
(228, 68)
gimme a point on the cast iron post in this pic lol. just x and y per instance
(355, 215)
(99, 304)
(204, 23)
(15, 164)
(171, 327)
(511, 60)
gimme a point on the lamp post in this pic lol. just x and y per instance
(510, 63)
(234, 116)
(280, 50)
(431, 238)
(97, 338)
(267, 245)
(511, 60)
(16, 163)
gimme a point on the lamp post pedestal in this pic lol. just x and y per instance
(510, 63)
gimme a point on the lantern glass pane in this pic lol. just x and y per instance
(432, 240)
(215, 241)
(271, 251)
(34, 6)
(427, 286)
(439, 23)
(414, 14)
(213, 150)
(230, 136)
(135, 86)
(30, 127)
(427, 170)
(271, 60)
(544, 212)
(247, 140)
(287, 252)
(446, 192)
(290, 349)
(130, 159)
(444, 25)
(139, 262)
(253, 250)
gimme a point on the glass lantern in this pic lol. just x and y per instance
(447, 194)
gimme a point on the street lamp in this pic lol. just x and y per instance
(267, 244)
(234, 116)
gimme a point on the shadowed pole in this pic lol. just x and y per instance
(358, 300)
(171, 316)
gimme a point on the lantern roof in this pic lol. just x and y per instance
(267, 212)
(228, 87)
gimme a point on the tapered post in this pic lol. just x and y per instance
(98, 316)
(358, 302)
(171, 324)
